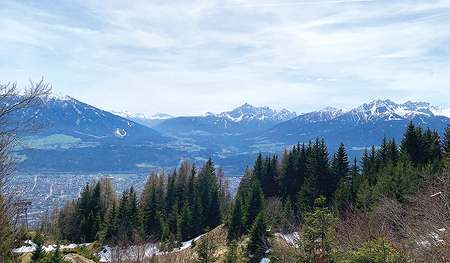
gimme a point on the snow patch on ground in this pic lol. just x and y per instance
(136, 253)
(291, 239)
(32, 247)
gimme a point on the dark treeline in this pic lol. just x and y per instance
(174, 208)
(283, 192)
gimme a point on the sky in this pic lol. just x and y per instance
(190, 57)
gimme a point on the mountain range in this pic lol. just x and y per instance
(85, 139)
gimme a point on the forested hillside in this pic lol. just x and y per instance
(342, 210)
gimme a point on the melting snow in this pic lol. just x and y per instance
(32, 247)
(143, 251)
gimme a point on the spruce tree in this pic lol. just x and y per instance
(197, 215)
(185, 227)
(236, 225)
(318, 234)
(111, 223)
(412, 145)
(258, 233)
(393, 153)
(446, 140)
(213, 217)
(245, 185)
(318, 169)
(288, 215)
(255, 204)
(38, 253)
(340, 166)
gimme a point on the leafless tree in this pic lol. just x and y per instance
(18, 117)
(107, 192)
(136, 251)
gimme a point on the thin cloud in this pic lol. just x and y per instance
(303, 3)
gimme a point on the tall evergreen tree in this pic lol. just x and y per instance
(258, 233)
(185, 226)
(236, 226)
(245, 185)
(393, 153)
(39, 252)
(412, 145)
(197, 215)
(318, 169)
(340, 165)
(111, 226)
(446, 140)
(255, 204)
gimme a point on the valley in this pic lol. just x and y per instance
(81, 143)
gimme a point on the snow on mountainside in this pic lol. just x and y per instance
(59, 96)
(325, 114)
(128, 115)
(244, 119)
(248, 113)
(389, 111)
(386, 110)
(149, 121)
(360, 127)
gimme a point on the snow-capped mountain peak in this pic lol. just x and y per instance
(248, 112)
(389, 110)
(149, 121)
(58, 96)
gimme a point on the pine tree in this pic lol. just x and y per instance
(172, 219)
(393, 153)
(152, 210)
(185, 227)
(231, 255)
(318, 169)
(38, 253)
(382, 153)
(236, 225)
(258, 233)
(318, 234)
(213, 216)
(197, 215)
(255, 204)
(446, 140)
(206, 249)
(412, 145)
(245, 185)
(111, 223)
(57, 256)
(288, 215)
(340, 166)
(287, 178)
(397, 181)
(83, 211)
(134, 215)
(268, 183)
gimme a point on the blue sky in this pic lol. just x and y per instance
(190, 57)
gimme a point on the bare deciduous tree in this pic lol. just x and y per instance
(18, 116)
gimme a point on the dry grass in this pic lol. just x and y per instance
(218, 234)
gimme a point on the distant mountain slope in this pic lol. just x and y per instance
(149, 121)
(241, 120)
(72, 117)
(360, 127)
(84, 138)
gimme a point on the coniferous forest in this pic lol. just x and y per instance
(305, 205)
